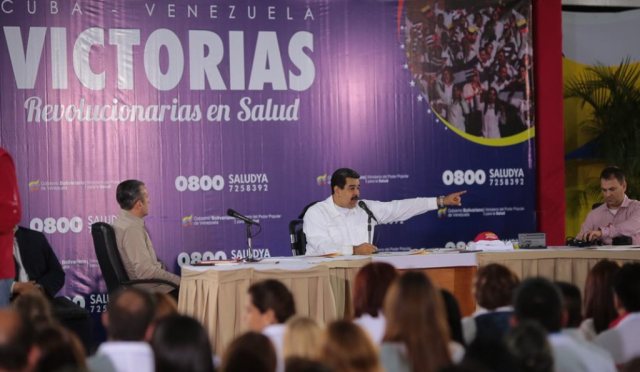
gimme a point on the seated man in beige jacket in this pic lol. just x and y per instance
(138, 256)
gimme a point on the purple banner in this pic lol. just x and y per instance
(251, 106)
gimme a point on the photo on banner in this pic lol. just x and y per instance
(473, 62)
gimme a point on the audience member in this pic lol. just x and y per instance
(269, 305)
(537, 299)
(632, 366)
(348, 348)
(454, 321)
(10, 213)
(623, 339)
(35, 309)
(302, 338)
(416, 335)
(464, 367)
(166, 306)
(180, 343)
(296, 364)
(135, 247)
(59, 349)
(16, 342)
(489, 353)
(251, 351)
(599, 308)
(127, 321)
(493, 290)
(529, 348)
(56, 346)
(369, 288)
(572, 302)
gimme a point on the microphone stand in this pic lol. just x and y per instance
(369, 229)
(249, 257)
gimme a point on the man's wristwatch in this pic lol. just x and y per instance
(441, 201)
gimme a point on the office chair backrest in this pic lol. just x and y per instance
(104, 243)
(296, 234)
(298, 239)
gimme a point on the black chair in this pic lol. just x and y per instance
(296, 234)
(113, 272)
(298, 239)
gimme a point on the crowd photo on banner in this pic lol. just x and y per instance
(473, 62)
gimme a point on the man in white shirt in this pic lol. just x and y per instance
(623, 340)
(537, 299)
(335, 225)
(127, 321)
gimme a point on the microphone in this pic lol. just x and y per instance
(363, 205)
(247, 220)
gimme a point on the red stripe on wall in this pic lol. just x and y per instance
(547, 42)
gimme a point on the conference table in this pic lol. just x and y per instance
(216, 295)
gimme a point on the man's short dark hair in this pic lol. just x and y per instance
(130, 312)
(626, 285)
(16, 339)
(538, 299)
(272, 294)
(529, 347)
(612, 172)
(494, 286)
(339, 177)
(572, 303)
(128, 193)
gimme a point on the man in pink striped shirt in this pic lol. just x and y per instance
(617, 216)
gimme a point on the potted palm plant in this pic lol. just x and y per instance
(613, 96)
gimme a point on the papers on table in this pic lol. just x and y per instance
(402, 253)
(491, 245)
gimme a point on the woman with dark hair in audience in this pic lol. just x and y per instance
(572, 303)
(370, 286)
(452, 310)
(417, 336)
(180, 343)
(348, 348)
(59, 349)
(251, 351)
(493, 290)
(599, 308)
